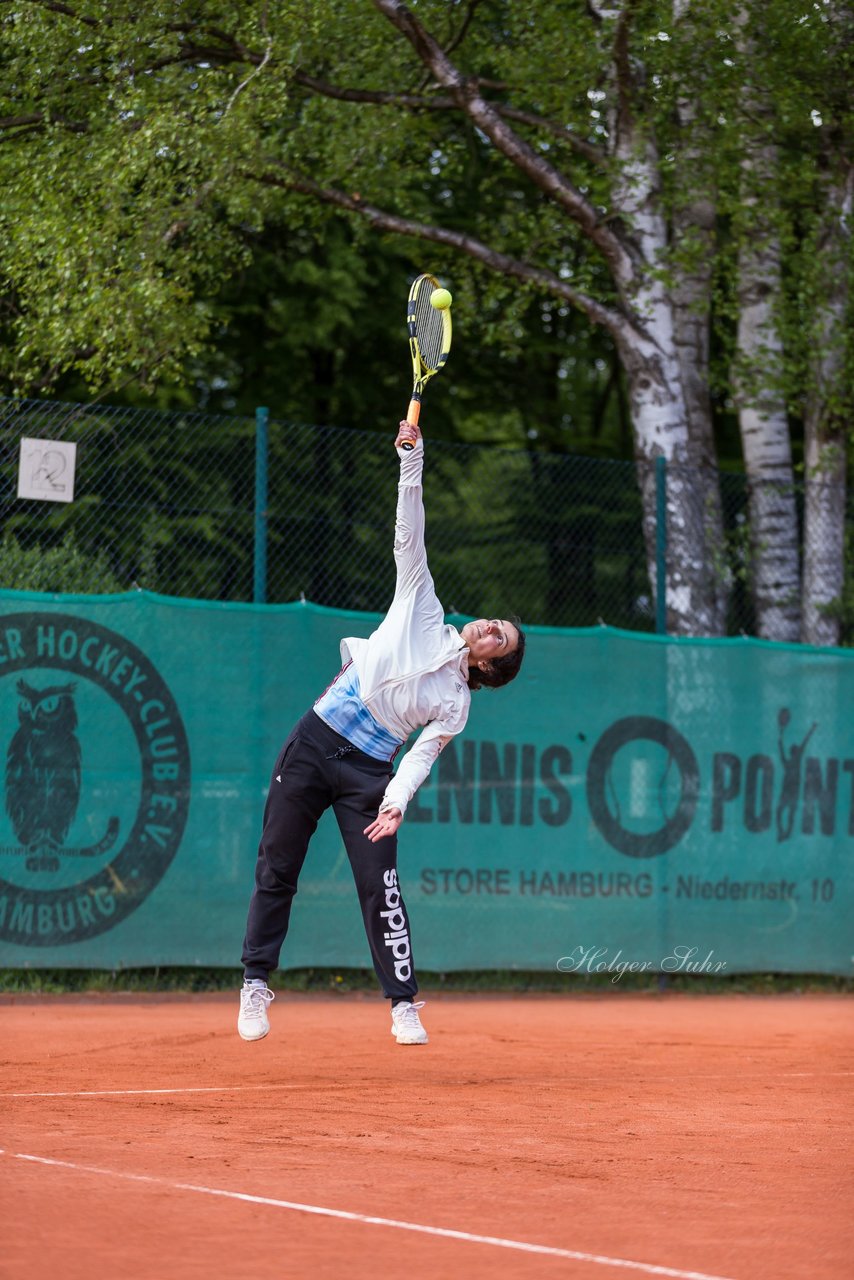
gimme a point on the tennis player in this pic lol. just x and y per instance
(414, 672)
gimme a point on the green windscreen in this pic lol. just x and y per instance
(628, 803)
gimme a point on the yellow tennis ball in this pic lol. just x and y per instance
(441, 299)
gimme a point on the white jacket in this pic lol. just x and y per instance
(413, 670)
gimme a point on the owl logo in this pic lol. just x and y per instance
(43, 770)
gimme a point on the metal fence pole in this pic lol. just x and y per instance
(661, 545)
(259, 592)
(661, 629)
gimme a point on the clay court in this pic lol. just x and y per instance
(534, 1137)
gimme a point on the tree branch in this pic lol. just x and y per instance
(602, 12)
(382, 220)
(179, 226)
(13, 122)
(56, 7)
(420, 102)
(195, 53)
(252, 74)
(25, 123)
(584, 148)
(455, 41)
(232, 50)
(466, 23)
(519, 152)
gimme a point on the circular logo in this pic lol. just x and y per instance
(600, 784)
(97, 779)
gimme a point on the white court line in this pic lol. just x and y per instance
(741, 1078)
(445, 1232)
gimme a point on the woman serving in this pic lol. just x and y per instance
(415, 672)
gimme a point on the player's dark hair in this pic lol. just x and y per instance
(500, 671)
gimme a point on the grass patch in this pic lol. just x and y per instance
(188, 980)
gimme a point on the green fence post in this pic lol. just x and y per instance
(259, 592)
(661, 545)
(661, 629)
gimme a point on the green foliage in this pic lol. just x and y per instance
(149, 219)
(64, 567)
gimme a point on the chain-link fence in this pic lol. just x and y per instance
(232, 508)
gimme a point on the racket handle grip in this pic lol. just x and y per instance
(412, 415)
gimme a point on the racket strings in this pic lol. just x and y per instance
(428, 329)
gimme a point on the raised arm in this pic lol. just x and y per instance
(409, 554)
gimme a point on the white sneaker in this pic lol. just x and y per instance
(252, 1021)
(406, 1024)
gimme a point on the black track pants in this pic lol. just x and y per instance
(316, 769)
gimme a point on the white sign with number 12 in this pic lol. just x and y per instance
(46, 470)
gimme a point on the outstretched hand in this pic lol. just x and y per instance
(407, 431)
(385, 823)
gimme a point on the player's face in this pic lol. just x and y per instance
(489, 638)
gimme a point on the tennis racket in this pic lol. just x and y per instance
(429, 341)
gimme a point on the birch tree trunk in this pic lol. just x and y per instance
(764, 426)
(693, 233)
(691, 293)
(825, 423)
(660, 424)
(654, 366)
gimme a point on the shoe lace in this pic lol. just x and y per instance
(255, 999)
(407, 1014)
